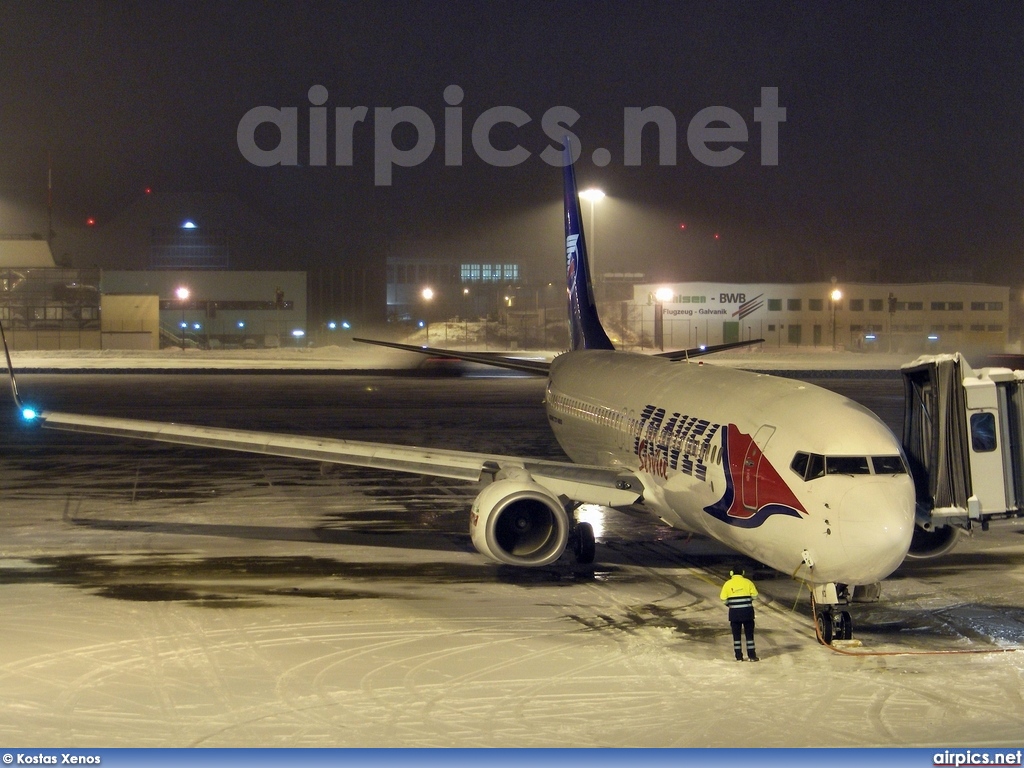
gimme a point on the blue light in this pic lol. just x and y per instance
(196, 326)
(870, 337)
(184, 325)
(298, 333)
(345, 324)
(933, 337)
(241, 324)
(189, 224)
(28, 414)
(421, 324)
(332, 325)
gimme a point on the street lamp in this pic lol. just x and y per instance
(182, 293)
(834, 298)
(593, 195)
(427, 294)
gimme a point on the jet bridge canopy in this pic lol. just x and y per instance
(963, 432)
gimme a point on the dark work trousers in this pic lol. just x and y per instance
(747, 628)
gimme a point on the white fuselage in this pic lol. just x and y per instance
(723, 452)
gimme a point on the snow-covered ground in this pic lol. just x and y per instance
(164, 596)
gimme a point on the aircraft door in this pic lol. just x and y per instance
(752, 465)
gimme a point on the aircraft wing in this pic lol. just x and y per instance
(686, 354)
(538, 367)
(607, 486)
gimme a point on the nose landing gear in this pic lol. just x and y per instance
(830, 621)
(832, 624)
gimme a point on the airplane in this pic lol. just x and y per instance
(791, 475)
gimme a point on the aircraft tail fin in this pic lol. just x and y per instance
(585, 329)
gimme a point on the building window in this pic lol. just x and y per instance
(915, 306)
(815, 305)
(995, 327)
(875, 305)
(856, 305)
(794, 305)
(938, 306)
(774, 305)
(955, 306)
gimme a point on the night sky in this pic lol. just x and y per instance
(901, 153)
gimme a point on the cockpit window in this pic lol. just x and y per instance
(847, 465)
(816, 466)
(799, 464)
(888, 465)
(813, 465)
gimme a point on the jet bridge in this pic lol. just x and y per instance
(963, 432)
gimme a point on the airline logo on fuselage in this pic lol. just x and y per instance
(754, 490)
(680, 443)
(761, 492)
(572, 253)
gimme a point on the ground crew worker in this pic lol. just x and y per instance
(739, 593)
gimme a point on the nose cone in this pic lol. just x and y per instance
(876, 525)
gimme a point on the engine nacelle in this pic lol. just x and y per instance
(519, 522)
(928, 544)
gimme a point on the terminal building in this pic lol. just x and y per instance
(45, 306)
(896, 317)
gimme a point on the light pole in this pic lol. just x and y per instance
(182, 293)
(593, 195)
(661, 297)
(834, 298)
(427, 294)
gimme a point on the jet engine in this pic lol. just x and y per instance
(931, 543)
(519, 522)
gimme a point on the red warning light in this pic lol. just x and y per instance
(682, 226)
(90, 222)
(149, 190)
(716, 235)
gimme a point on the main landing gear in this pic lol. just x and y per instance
(583, 543)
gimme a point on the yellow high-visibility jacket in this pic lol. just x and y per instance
(739, 593)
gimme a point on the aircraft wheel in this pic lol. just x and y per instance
(585, 545)
(845, 628)
(824, 620)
